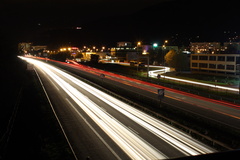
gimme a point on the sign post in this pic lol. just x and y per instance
(159, 77)
(102, 76)
(161, 93)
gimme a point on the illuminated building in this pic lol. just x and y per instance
(221, 64)
(215, 47)
(24, 48)
(206, 47)
(124, 51)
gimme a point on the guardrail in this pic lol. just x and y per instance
(151, 106)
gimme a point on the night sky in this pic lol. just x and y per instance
(105, 22)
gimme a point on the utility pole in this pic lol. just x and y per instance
(238, 67)
(164, 54)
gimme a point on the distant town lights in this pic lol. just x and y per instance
(144, 52)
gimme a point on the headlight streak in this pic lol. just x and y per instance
(153, 74)
(167, 133)
(181, 141)
(131, 143)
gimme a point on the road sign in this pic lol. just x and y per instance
(160, 93)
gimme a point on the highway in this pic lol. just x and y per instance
(164, 69)
(154, 74)
(103, 127)
(219, 111)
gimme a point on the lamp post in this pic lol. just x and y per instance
(147, 54)
(138, 44)
(164, 53)
(155, 45)
(238, 67)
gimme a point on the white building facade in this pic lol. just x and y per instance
(223, 64)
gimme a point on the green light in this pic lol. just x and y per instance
(155, 45)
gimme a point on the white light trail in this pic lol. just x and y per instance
(154, 74)
(165, 132)
(131, 143)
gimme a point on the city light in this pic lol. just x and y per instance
(155, 45)
(144, 52)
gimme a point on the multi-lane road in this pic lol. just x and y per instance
(103, 127)
(220, 112)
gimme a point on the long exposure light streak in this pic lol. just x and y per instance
(132, 144)
(143, 119)
(154, 74)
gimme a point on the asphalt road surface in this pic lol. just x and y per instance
(221, 112)
(102, 127)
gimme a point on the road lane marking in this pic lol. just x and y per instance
(133, 130)
(95, 132)
(50, 103)
(53, 83)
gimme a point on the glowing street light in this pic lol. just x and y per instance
(139, 43)
(164, 54)
(155, 45)
(144, 52)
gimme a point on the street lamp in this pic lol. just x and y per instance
(238, 67)
(155, 45)
(164, 54)
(138, 45)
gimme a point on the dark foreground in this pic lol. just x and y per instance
(29, 129)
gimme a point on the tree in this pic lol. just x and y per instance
(156, 56)
(179, 61)
(94, 58)
(171, 58)
(182, 63)
(60, 56)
